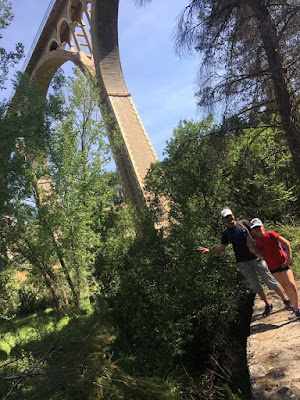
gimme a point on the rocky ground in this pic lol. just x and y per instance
(273, 352)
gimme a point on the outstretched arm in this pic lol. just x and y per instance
(219, 249)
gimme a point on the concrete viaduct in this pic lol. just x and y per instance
(86, 33)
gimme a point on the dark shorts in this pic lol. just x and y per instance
(280, 269)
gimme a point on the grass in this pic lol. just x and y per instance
(47, 357)
(18, 332)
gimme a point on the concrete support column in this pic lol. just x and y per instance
(136, 154)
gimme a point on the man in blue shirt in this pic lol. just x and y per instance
(238, 234)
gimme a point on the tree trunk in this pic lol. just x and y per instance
(52, 290)
(49, 277)
(44, 222)
(66, 273)
(284, 94)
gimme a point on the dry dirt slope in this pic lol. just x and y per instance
(273, 352)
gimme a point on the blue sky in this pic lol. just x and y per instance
(161, 83)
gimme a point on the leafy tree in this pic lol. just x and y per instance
(79, 153)
(7, 59)
(24, 136)
(250, 59)
(191, 176)
(171, 301)
(252, 171)
(6, 15)
(59, 190)
(262, 175)
(257, 44)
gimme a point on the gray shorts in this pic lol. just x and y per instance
(250, 269)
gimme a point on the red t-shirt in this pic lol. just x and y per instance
(271, 249)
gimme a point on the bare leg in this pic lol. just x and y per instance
(280, 292)
(287, 281)
(263, 296)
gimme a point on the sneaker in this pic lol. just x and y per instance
(268, 309)
(288, 304)
(292, 316)
(297, 313)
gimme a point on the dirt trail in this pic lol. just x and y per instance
(273, 352)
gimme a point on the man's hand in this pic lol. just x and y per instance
(203, 250)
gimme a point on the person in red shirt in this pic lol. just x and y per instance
(237, 233)
(277, 252)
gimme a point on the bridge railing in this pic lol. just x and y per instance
(36, 38)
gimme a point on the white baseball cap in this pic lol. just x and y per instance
(226, 212)
(255, 222)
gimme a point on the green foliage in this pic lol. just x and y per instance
(168, 304)
(6, 15)
(58, 193)
(7, 59)
(117, 233)
(6, 293)
(252, 173)
(17, 333)
(176, 302)
(174, 308)
(190, 174)
(263, 174)
(70, 359)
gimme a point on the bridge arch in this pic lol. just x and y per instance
(75, 10)
(53, 45)
(98, 52)
(64, 32)
(52, 61)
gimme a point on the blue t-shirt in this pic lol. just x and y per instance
(237, 236)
